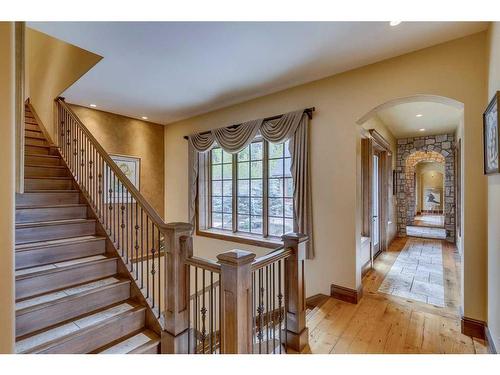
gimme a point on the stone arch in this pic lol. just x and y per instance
(411, 151)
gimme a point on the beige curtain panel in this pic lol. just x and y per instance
(293, 126)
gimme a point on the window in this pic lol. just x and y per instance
(251, 193)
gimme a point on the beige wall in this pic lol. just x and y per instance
(494, 200)
(131, 137)
(52, 66)
(7, 175)
(455, 69)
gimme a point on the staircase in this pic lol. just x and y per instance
(72, 293)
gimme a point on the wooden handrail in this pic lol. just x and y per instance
(273, 256)
(203, 263)
(155, 217)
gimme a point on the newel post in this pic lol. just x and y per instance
(236, 301)
(179, 246)
(297, 334)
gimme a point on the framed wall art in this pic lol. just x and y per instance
(491, 137)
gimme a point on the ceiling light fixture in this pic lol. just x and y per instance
(394, 23)
(92, 105)
(419, 115)
(421, 130)
(144, 117)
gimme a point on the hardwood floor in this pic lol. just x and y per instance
(383, 323)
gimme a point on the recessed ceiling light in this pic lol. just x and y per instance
(421, 130)
(144, 117)
(394, 23)
(419, 115)
(93, 105)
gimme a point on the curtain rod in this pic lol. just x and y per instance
(307, 111)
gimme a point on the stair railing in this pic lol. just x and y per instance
(237, 304)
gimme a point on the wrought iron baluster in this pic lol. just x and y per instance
(280, 304)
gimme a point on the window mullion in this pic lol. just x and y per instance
(265, 188)
(235, 193)
(209, 192)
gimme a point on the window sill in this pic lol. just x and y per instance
(239, 238)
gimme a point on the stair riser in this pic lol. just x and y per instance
(35, 142)
(94, 339)
(33, 133)
(54, 232)
(60, 253)
(47, 198)
(40, 150)
(31, 215)
(32, 286)
(40, 160)
(58, 312)
(45, 172)
(47, 184)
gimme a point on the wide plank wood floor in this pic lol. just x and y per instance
(383, 323)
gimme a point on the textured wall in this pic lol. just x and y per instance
(412, 151)
(131, 137)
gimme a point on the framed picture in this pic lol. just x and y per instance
(131, 168)
(394, 182)
(491, 137)
(432, 199)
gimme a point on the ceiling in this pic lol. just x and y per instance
(436, 118)
(169, 71)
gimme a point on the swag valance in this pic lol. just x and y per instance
(292, 126)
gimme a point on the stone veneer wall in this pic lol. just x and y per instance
(412, 151)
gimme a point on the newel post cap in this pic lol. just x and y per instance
(179, 227)
(294, 236)
(236, 257)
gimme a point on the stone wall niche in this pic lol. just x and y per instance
(410, 152)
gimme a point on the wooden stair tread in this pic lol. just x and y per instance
(43, 156)
(61, 241)
(42, 300)
(61, 266)
(45, 166)
(60, 333)
(49, 178)
(52, 191)
(52, 222)
(35, 207)
(134, 343)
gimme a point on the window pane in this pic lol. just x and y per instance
(289, 207)
(256, 188)
(288, 165)
(256, 169)
(217, 220)
(216, 156)
(243, 188)
(243, 205)
(216, 188)
(288, 225)
(287, 151)
(244, 223)
(227, 171)
(275, 187)
(276, 207)
(227, 204)
(275, 226)
(275, 150)
(256, 151)
(243, 170)
(217, 204)
(227, 188)
(216, 172)
(226, 157)
(288, 187)
(256, 206)
(227, 221)
(256, 226)
(276, 168)
(244, 155)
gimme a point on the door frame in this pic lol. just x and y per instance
(373, 143)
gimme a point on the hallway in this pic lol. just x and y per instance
(385, 323)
